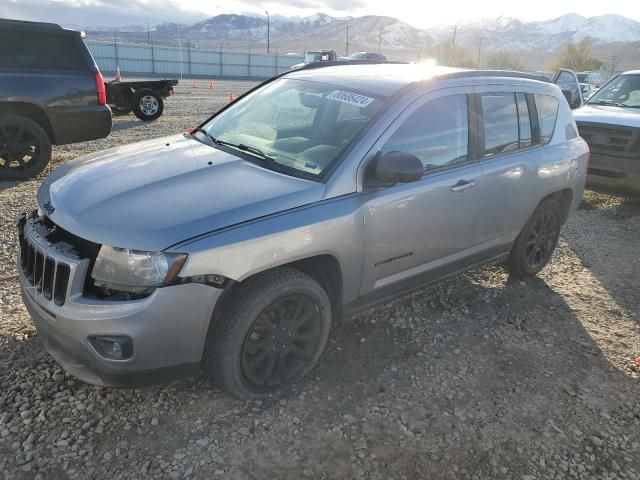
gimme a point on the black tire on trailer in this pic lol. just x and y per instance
(25, 148)
(147, 105)
(270, 335)
(535, 244)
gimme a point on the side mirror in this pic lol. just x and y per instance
(572, 98)
(396, 167)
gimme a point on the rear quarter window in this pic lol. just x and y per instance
(40, 51)
(547, 107)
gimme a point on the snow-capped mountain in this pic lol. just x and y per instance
(320, 28)
(514, 34)
(368, 32)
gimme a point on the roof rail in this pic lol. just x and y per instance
(457, 74)
(496, 73)
(334, 63)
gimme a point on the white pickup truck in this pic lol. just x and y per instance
(610, 123)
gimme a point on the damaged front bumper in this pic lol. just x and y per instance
(167, 329)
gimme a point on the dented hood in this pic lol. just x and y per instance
(154, 194)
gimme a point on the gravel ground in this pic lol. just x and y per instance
(482, 376)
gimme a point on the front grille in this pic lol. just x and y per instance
(48, 276)
(614, 140)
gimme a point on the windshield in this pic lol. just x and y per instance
(311, 57)
(301, 126)
(623, 91)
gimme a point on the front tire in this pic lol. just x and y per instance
(147, 105)
(270, 335)
(537, 241)
(25, 148)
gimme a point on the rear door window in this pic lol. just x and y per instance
(547, 107)
(500, 123)
(40, 51)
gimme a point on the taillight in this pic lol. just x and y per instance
(102, 91)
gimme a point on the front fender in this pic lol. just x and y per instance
(334, 227)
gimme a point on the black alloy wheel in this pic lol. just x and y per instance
(282, 341)
(535, 244)
(541, 240)
(25, 148)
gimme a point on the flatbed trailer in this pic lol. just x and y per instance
(144, 97)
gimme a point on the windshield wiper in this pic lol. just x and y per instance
(205, 133)
(608, 103)
(267, 161)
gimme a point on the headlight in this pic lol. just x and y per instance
(133, 270)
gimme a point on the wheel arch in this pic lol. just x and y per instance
(31, 111)
(565, 198)
(323, 268)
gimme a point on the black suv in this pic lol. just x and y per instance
(51, 92)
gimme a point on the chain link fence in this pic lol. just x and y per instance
(150, 59)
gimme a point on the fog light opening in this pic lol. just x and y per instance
(113, 347)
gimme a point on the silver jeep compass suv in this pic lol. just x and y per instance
(316, 194)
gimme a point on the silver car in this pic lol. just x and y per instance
(315, 195)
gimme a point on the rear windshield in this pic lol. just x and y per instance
(303, 126)
(40, 51)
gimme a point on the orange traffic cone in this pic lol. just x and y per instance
(118, 75)
(211, 84)
(231, 97)
(194, 84)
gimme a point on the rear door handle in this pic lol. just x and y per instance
(463, 185)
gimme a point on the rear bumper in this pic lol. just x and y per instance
(619, 175)
(80, 124)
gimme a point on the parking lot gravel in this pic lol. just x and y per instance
(479, 377)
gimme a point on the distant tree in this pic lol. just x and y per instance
(459, 57)
(576, 56)
(503, 61)
(611, 65)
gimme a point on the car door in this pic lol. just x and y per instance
(568, 82)
(415, 232)
(510, 157)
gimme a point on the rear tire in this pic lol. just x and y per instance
(25, 148)
(535, 244)
(271, 334)
(147, 105)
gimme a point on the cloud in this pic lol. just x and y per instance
(112, 13)
(122, 13)
(335, 5)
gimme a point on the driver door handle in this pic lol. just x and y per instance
(463, 185)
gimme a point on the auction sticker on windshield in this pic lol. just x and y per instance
(350, 98)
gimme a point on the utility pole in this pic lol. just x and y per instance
(480, 39)
(180, 50)
(346, 50)
(148, 34)
(453, 46)
(268, 29)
